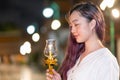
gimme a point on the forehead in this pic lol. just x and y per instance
(76, 17)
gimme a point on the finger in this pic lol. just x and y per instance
(56, 78)
(47, 70)
(55, 73)
(48, 78)
(49, 75)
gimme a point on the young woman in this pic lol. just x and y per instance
(86, 57)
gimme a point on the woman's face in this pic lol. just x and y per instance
(80, 27)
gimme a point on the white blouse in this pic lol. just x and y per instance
(98, 65)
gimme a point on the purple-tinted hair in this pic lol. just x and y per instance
(74, 50)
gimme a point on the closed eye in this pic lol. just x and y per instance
(76, 25)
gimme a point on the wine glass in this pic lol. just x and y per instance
(50, 52)
(50, 48)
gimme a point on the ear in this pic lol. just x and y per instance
(92, 24)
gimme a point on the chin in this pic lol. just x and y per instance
(79, 41)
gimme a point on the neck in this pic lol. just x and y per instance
(93, 44)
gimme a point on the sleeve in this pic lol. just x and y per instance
(108, 71)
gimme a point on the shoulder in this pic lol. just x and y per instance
(107, 56)
(108, 61)
(108, 66)
(105, 59)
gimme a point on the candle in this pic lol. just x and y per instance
(50, 47)
(50, 50)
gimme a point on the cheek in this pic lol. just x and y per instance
(84, 34)
(84, 31)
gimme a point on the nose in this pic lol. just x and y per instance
(73, 30)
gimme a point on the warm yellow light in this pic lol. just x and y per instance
(115, 13)
(25, 48)
(107, 3)
(55, 24)
(110, 3)
(103, 5)
(35, 37)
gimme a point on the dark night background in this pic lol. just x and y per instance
(17, 15)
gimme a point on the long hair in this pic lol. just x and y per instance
(74, 50)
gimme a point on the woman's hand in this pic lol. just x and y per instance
(54, 76)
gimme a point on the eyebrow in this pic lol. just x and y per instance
(75, 20)
(72, 21)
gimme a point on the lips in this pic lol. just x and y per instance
(75, 36)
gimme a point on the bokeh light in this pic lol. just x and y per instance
(25, 48)
(55, 24)
(115, 13)
(35, 37)
(30, 29)
(48, 12)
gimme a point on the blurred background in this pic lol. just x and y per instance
(25, 25)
